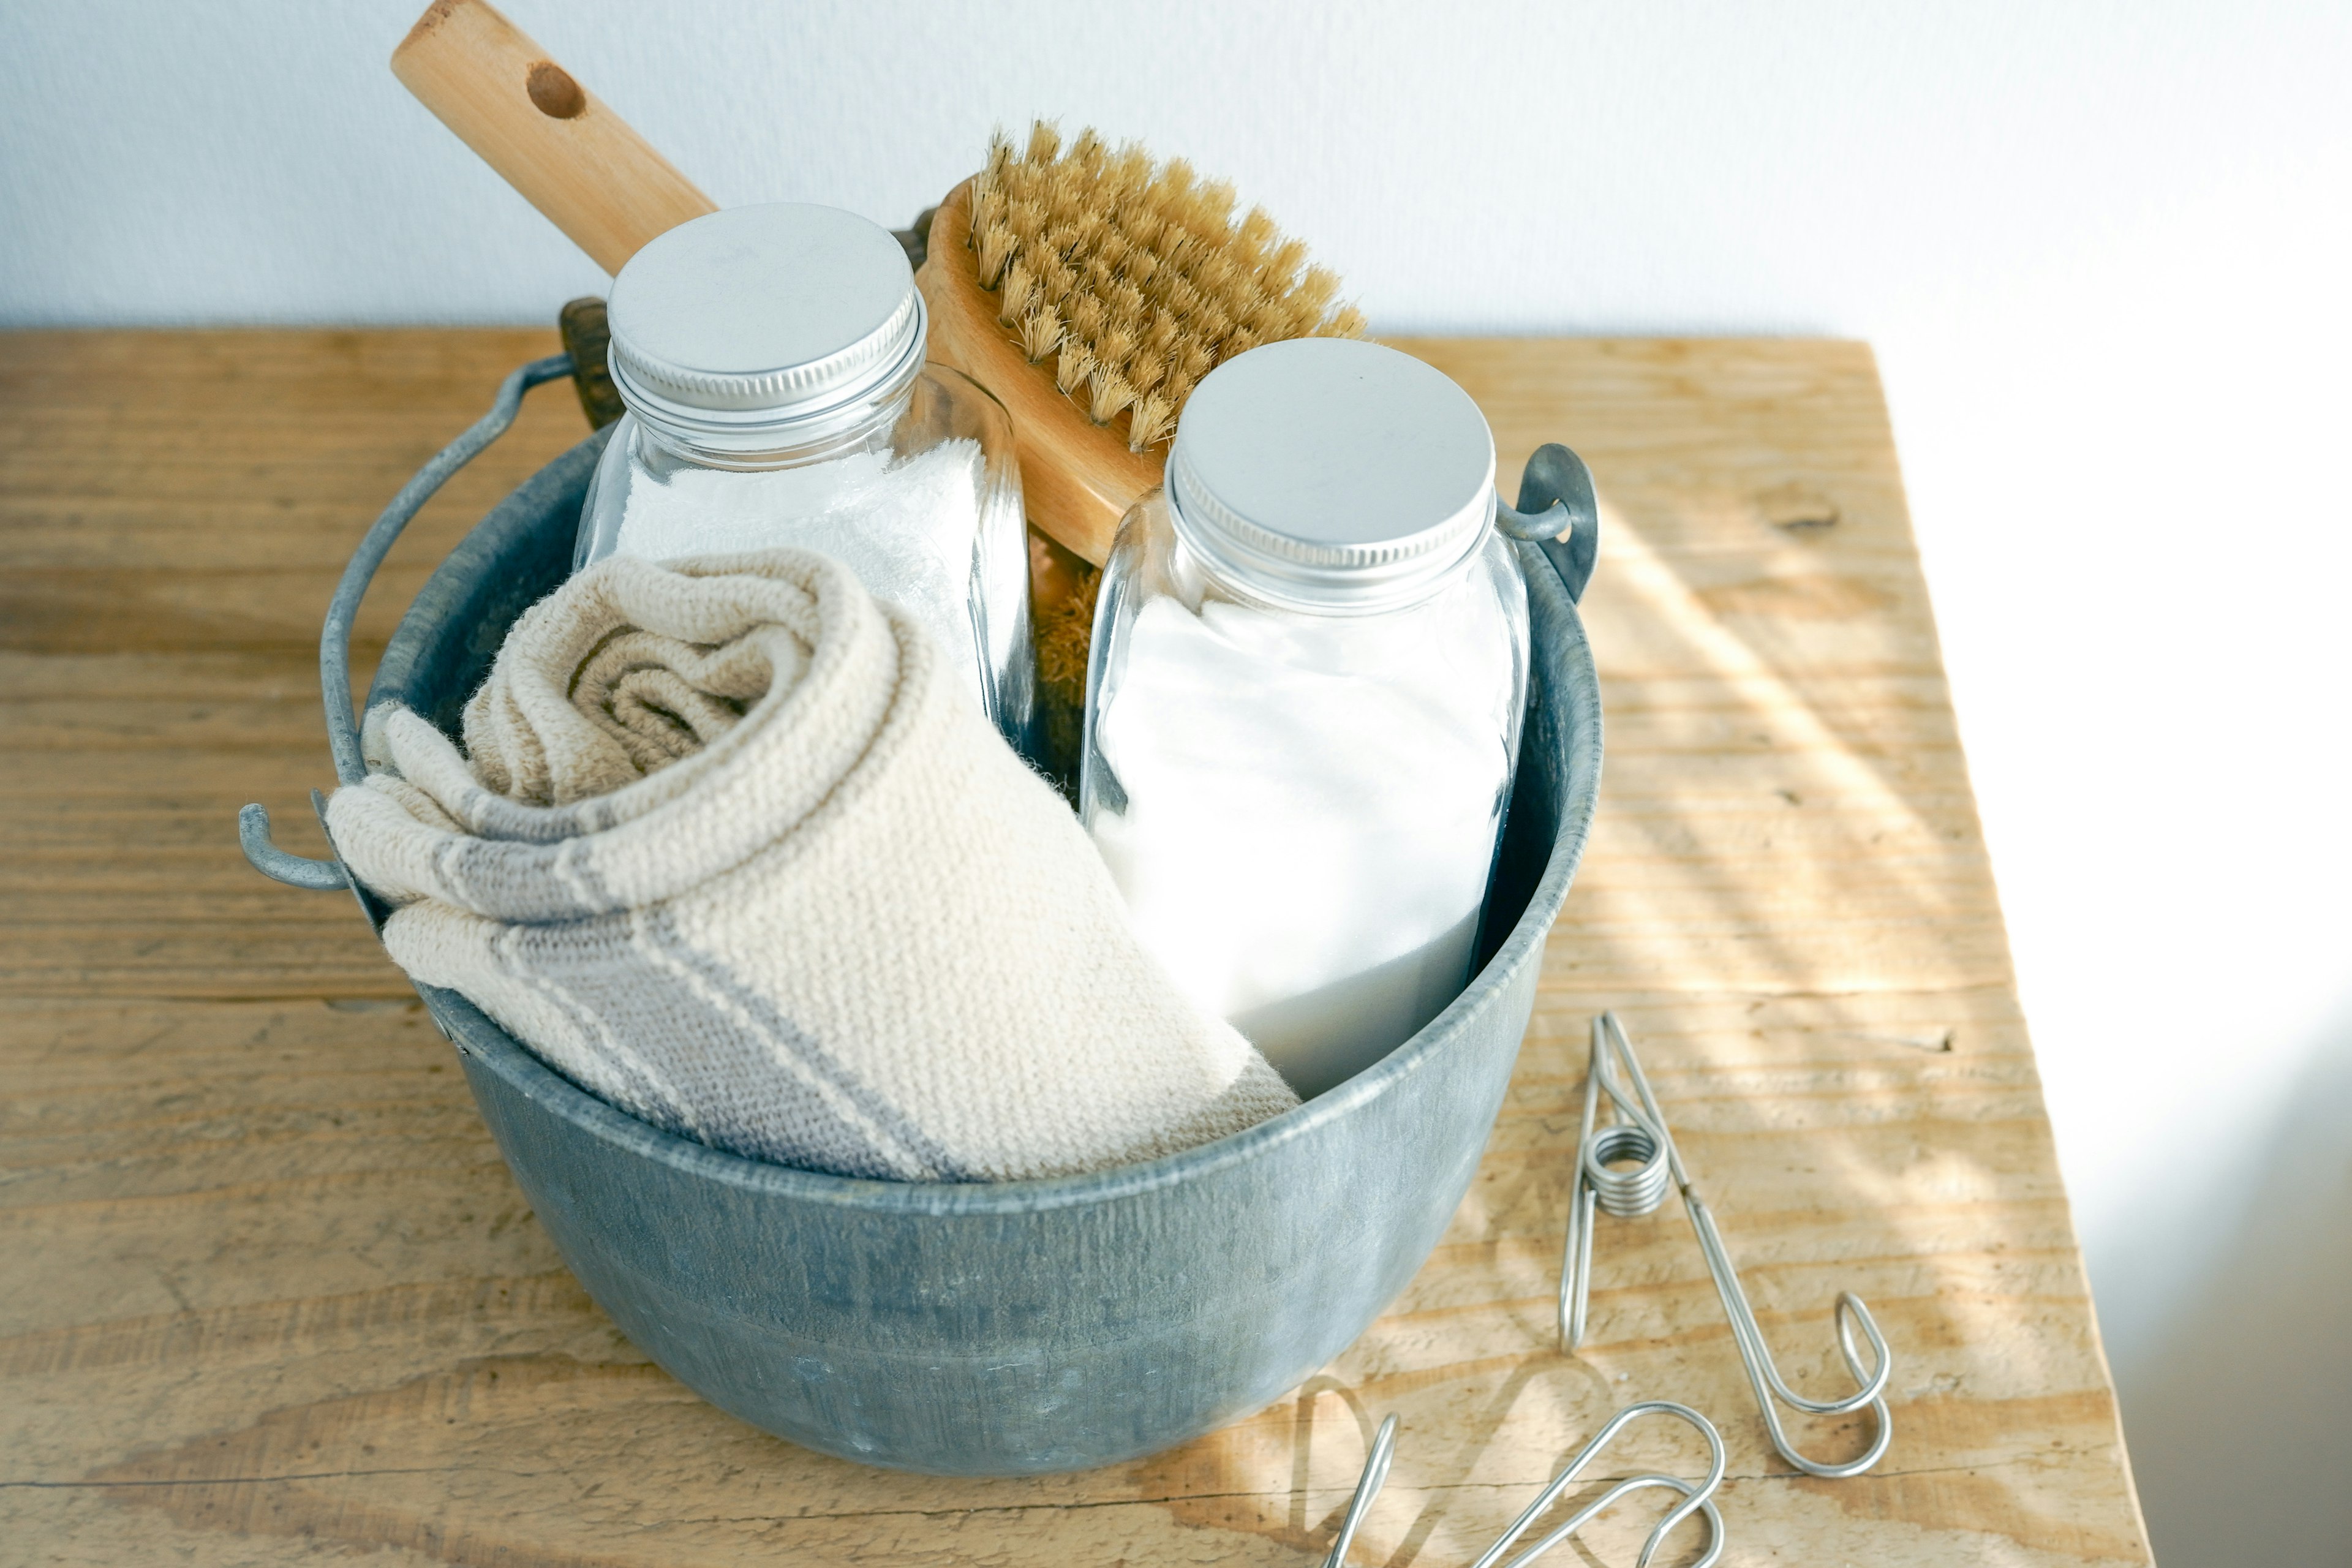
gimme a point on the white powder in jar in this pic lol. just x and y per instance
(907, 531)
(1311, 810)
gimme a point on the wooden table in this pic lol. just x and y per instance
(270, 1297)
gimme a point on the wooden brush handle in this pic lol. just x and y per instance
(569, 155)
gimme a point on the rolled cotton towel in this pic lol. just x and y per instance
(735, 851)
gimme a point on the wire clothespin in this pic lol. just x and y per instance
(1697, 1497)
(1624, 1166)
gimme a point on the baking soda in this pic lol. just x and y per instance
(1311, 807)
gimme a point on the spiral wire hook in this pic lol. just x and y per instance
(1697, 1497)
(1624, 1167)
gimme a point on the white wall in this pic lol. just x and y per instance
(2103, 248)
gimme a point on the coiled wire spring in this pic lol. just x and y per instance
(1626, 1193)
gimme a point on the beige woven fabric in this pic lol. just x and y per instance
(736, 852)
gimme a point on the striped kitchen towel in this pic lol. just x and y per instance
(729, 846)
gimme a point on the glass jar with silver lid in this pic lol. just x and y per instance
(1304, 698)
(772, 360)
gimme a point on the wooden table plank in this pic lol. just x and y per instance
(273, 1298)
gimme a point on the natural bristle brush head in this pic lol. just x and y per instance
(1089, 289)
(1135, 276)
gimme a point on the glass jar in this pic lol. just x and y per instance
(771, 359)
(1304, 697)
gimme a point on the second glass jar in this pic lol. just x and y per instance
(772, 360)
(1304, 700)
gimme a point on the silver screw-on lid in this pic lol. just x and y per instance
(754, 317)
(1330, 473)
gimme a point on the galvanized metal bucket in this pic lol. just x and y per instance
(1007, 1327)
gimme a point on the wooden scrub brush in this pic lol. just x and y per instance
(1089, 290)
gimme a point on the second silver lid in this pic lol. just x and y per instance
(753, 316)
(1330, 473)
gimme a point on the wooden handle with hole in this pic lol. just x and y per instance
(569, 155)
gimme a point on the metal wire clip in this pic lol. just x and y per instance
(1698, 1497)
(1624, 1167)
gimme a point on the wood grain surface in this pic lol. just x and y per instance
(269, 1295)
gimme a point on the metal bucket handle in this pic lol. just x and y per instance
(335, 638)
(1556, 514)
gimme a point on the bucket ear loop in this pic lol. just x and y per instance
(335, 638)
(1697, 1497)
(1624, 1167)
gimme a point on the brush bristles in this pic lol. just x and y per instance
(1065, 631)
(1136, 276)
(1040, 334)
(1110, 394)
(1072, 367)
(993, 246)
(1151, 419)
